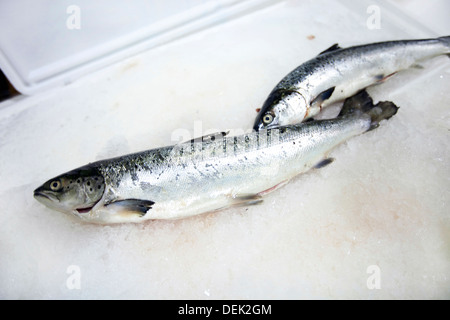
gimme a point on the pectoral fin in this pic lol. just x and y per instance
(322, 97)
(131, 207)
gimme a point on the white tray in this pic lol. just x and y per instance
(48, 44)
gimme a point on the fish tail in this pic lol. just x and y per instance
(381, 111)
(357, 104)
(446, 42)
(362, 103)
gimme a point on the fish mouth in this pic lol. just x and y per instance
(41, 194)
(84, 210)
(258, 127)
(51, 200)
(262, 126)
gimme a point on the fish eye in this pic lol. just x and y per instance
(55, 185)
(267, 119)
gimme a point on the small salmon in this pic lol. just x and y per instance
(337, 74)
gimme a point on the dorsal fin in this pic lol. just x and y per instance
(334, 47)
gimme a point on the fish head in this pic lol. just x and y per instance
(282, 107)
(75, 192)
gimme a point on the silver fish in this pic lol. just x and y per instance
(203, 176)
(337, 74)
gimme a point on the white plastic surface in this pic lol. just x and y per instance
(372, 225)
(47, 44)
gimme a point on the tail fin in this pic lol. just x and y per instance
(446, 42)
(359, 103)
(382, 111)
(362, 103)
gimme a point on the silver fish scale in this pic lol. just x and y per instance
(196, 177)
(197, 172)
(307, 74)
